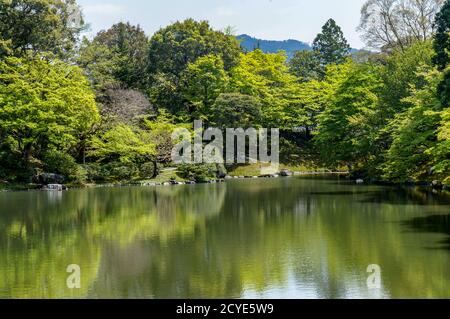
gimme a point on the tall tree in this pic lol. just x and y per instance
(387, 24)
(40, 25)
(174, 47)
(330, 46)
(43, 105)
(203, 81)
(442, 48)
(118, 55)
(345, 128)
(414, 136)
(401, 73)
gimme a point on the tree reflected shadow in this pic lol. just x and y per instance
(408, 196)
(432, 224)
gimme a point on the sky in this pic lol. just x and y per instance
(264, 19)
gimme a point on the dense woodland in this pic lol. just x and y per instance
(103, 109)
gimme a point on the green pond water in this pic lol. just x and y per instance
(264, 238)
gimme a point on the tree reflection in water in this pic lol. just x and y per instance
(296, 238)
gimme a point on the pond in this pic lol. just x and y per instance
(262, 238)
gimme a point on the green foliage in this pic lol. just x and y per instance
(64, 164)
(59, 162)
(235, 110)
(173, 48)
(441, 152)
(160, 132)
(346, 126)
(442, 49)
(402, 73)
(117, 56)
(388, 25)
(442, 37)
(203, 81)
(385, 116)
(5, 47)
(266, 77)
(122, 144)
(410, 157)
(330, 46)
(40, 26)
(200, 173)
(43, 105)
(122, 153)
(305, 65)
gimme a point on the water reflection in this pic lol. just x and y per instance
(432, 224)
(409, 196)
(292, 238)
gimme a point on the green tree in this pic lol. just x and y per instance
(330, 45)
(43, 105)
(123, 153)
(117, 56)
(266, 77)
(442, 37)
(202, 83)
(346, 127)
(414, 134)
(122, 143)
(40, 25)
(442, 49)
(5, 47)
(285, 103)
(160, 130)
(174, 47)
(441, 152)
(235, 110)
(305, 65)
(400, 73)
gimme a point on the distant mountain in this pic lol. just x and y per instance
(272, 46)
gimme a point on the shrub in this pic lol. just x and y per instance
(60, 163)
(199, 173)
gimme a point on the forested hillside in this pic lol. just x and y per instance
(103, 109)
(250, 43)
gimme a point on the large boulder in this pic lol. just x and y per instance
(286, 173)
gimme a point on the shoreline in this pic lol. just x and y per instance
(37, 187)
(20, 187)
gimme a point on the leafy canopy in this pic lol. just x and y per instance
(38, 26)
(43, 104)
(330, 46)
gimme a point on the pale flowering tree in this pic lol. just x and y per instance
(386, 24)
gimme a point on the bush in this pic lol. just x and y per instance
(111, 172)
(147, 170)
(59, 162)
(199, 173)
